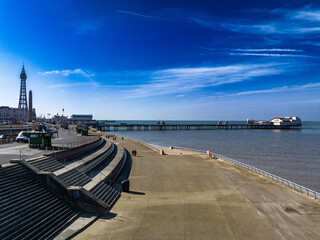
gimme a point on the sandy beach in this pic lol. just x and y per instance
(183, 195)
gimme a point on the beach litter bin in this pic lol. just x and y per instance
(84, 132)
(125, 185)
(39, 139)
(83, 129)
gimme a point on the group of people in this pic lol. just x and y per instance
(114, 138)
(134, 152)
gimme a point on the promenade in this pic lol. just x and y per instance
(184, 195)
(10, 151)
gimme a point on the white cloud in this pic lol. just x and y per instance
(65, 85)
(278, 89)
(143, 15)
(286, 22)
(306, 14)
(270, 55)
(267, 50)
(67, 72)
(181, 80)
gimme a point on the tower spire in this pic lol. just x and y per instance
(23, 90)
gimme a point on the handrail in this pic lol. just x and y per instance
(79, 143)
(271, 176)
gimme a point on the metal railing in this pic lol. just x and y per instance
(14, 126)
(76, 144)
(283, 181)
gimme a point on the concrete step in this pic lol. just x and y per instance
(99, 160)
(61, 224)
(67, 174)
(22, 202)
(38, 230)
(12, 193)
(27, 209)
(105, 193)
(48, 164)
(38, 159)
(96, 188)
(10, 185)
(79, 181)
(14, 180)
(114, 200)
(28, 226)
(19, 225)
(111, 196)
(76, 174)
(5, 172)
(75, 178)
(10, 201)
(24, 210)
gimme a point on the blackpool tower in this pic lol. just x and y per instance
(23, 91)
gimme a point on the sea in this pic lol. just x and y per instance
(291, 154)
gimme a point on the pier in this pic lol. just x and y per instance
(192, 126)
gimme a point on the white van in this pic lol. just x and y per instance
(22, 137)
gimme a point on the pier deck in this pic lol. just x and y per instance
(193, 126)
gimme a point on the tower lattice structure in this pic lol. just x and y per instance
(23, 90)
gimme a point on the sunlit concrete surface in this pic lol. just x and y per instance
(187, 196)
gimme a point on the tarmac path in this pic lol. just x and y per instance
(183, 195)
(13, 150)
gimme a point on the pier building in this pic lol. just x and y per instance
(81, 117)
(286, 121)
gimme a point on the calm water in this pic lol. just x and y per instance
(292, 154)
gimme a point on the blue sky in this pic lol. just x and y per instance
(171, 60)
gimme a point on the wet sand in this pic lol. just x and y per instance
(183, 195)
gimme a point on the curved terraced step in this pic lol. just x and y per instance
(106, 174)
(74, 178)
(83, 161)
(93, 164)
(47, 164)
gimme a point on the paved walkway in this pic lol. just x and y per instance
(187, 196)
(12, 150)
